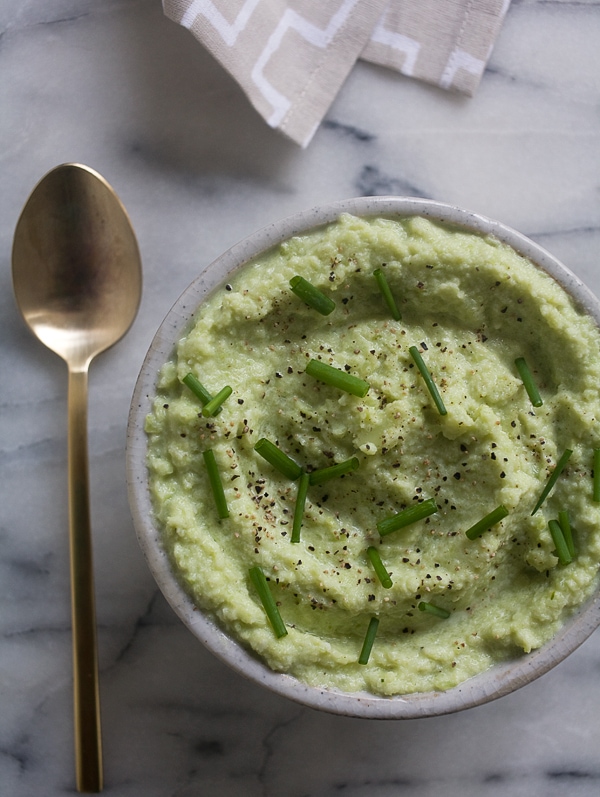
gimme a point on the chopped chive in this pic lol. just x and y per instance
(198, 389)
(431, 386)
(407, 516)
(528, 382)
(558, 538)
(596, 492)
(493, 517)
(311, 296)
(333, 471)
(387, 294)
(215, 483)
(214, 405)
(378, 567)
(369, 639)
(560, 466)
(278, 459)
(299, 507)
(337, 378)
(268, 601)
(565, 526)
(431, 608)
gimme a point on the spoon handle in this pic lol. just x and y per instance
(88, 744)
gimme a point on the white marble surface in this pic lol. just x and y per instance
(115, 85)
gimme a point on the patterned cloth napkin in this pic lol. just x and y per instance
(292, 56)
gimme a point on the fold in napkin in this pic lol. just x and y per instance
(292, 56)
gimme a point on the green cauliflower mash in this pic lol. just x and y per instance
(472, 306)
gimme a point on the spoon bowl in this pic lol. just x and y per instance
(77, 281)
(76, 267)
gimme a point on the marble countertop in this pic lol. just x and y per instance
(119, 87)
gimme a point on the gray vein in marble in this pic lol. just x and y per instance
(567, 778)
(38, 631)
(105, 442)
(373, 182)
(572, 775)
(63, 20)
(202, 712)
(30, 568)
(33, 14)
(143, 620)
(578, 231)
(17, 753)
(350, 131)
(48, 449)
(269, 746)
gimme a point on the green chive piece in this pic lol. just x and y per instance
(215, 483)
(387, 294)
(560, 466)
(565, 526)
(407, 516)
(333, 471)
(596, 493)
(558, 538)
(431, 386)
(528, 382)
(311, 296)
(214, 405)
(431, 608)
(278, 459)
(378, 567)
(299, 507)
(268, 601)
(198, 389)
(337, 378)
(369, 639)
(493, 517)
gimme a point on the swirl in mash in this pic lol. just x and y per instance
(471, 305)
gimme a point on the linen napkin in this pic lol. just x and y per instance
(292, 56)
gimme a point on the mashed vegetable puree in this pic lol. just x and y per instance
(470, 306)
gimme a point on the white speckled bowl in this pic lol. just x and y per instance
(495, 682)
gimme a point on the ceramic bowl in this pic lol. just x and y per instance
(495, 682)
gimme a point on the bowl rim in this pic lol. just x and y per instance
(491, 684)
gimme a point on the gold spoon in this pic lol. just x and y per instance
(77, 279)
